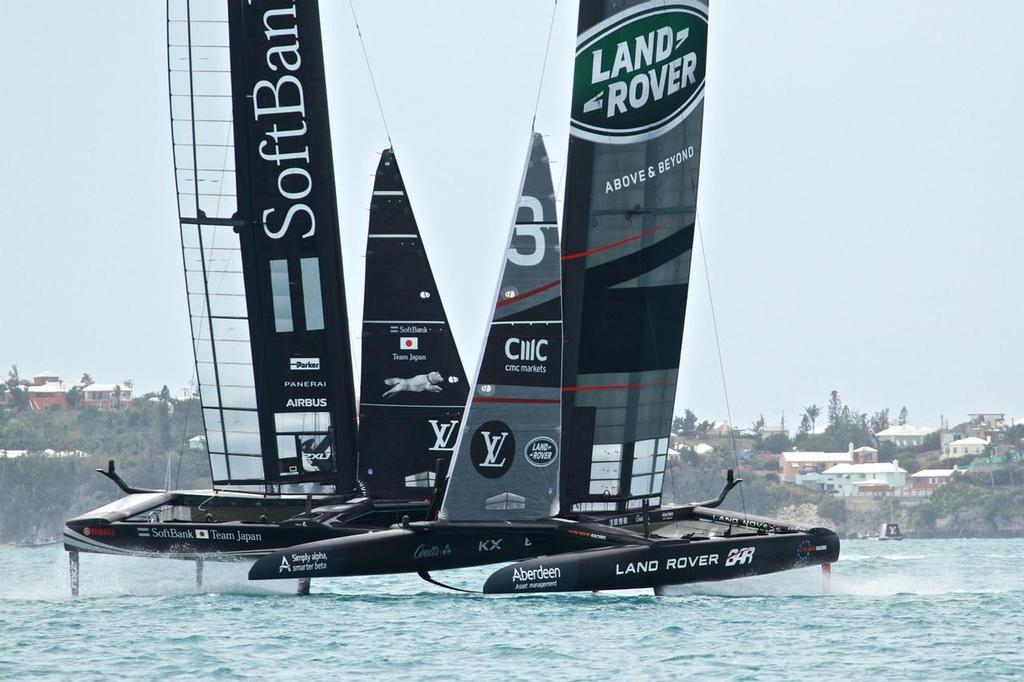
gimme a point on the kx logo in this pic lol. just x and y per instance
(444, 435)
(493, 442)
(489, 545)
(740, 555)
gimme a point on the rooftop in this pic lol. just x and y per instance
(801, 457)
(905, 430)
(970, 440)
(935, 473)
(869, 468)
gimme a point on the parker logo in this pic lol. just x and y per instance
(739, 556)
(541, 451)
(640, 72)
(492, 449)
(303, 364)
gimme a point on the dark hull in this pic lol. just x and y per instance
(574, 554)
(233, 527)
(666, 562)
(426, 547)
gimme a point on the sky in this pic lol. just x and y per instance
(859, 205)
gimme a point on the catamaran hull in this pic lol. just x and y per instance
(666, 562)
(131, 526)
(417, 549)
(215, 542)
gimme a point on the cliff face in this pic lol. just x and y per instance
(961, 509)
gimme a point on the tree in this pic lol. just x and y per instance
(805, 427)
(704, 427)
(880, 420)
(74, 397)
(19, 396)
(165, 394)
(835, 410)
(684, 425)
(902, 418)
(777, 443)
(86, 380)
(812, 412)
(758, 425)
(117, 396)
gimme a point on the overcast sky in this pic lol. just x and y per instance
(860, 195)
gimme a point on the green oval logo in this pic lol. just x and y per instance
(639, 73)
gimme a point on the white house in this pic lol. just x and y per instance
(970, 446)
(905, 436)
(848, 480)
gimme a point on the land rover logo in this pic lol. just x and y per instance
(640, 72)
(541, 451)
(492, 449)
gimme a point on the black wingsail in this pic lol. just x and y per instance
(259, 233)
(413, 387)
(630, 211)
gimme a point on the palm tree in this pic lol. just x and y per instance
(812, 412)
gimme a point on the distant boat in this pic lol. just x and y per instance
(38, 541)
(890, 531)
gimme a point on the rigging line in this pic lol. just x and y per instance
(721, 362)
(544, 64)
(184, 431)
(369, 69)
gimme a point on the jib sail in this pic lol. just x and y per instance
(508, 451)
(259, 233)
(630, 210)
(413, 387)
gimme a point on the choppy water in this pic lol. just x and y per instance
(926, 609)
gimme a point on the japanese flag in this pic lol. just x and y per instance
(202, 534)
(409, 342)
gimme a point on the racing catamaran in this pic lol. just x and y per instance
(262, 258)
(580, 492)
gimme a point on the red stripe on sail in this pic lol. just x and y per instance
(627, 240)
(614, 387)
(528, 294)
(518, 401)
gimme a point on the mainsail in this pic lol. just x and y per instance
(507, 460)
(630, 211)
(413, 387)
(259, 233)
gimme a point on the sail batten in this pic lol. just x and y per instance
(266, 304)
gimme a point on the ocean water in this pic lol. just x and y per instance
(917, 609)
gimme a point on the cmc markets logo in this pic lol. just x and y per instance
(541, 451)
(640, 72)
(492, 449)
(526, 349)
